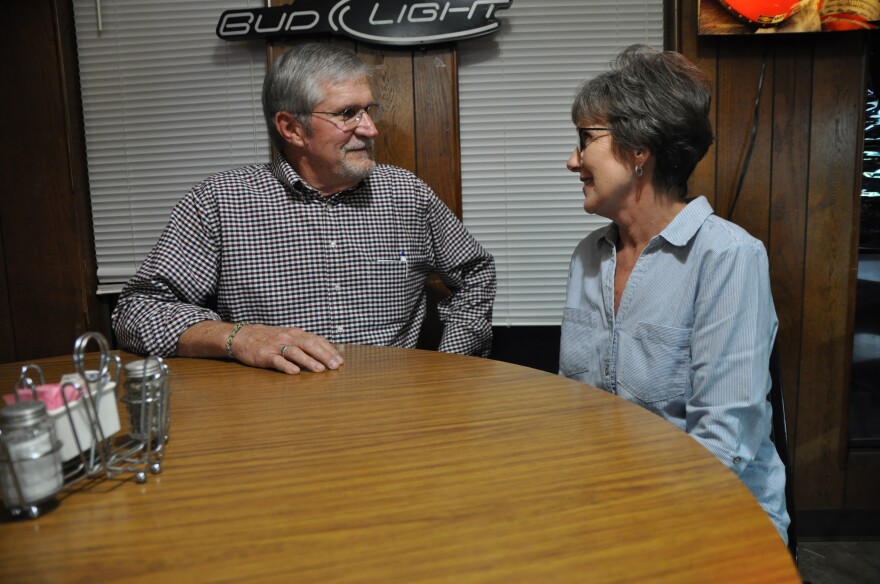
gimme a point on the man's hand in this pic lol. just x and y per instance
(261, 346)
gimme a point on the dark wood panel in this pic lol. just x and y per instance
(7, 341)
(435, 76)
(45, 216)
(95, 310)
(392, 85)
(862, 482)
(838, 99)
(739, 72)
(791, 100)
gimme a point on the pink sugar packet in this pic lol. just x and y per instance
(49, 394)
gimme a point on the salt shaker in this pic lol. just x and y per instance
(30, 463)
(147, 398)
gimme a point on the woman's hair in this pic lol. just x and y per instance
(293, 84)
(654, 100)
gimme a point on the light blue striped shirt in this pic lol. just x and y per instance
(690, 342)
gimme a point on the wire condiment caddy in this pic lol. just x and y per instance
(69, 427)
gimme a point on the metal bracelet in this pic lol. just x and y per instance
(238, 326)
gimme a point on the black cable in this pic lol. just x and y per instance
(745, 165)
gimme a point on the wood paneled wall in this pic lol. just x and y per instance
(47, 268)
(800, 196)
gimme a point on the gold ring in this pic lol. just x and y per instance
(284, 348)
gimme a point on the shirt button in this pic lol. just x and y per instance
(332, 245)
(340, 329)
(737, 459)
(607, 370)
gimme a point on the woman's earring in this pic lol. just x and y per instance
(638, 170)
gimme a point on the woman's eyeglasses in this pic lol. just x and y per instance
(585, 138)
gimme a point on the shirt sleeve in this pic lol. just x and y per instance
(468, 271)
(170, 290)
(734, 327)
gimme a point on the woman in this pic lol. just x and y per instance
(669, 306)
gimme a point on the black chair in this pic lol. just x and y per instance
(779, 435)
(432, 327)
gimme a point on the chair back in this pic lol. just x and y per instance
(432, 327)
(779, 435)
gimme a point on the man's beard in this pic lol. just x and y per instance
(360, 169)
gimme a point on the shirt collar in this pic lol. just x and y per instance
(686, 224)
(680, 230)
(294, 183)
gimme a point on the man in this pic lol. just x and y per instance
(272, 264)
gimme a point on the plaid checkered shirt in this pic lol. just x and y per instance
(258, 244)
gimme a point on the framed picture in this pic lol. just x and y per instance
(744, 17)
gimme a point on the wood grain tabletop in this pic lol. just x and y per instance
(403, 466)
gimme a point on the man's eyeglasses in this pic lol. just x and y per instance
(350, 118)
(585, 138)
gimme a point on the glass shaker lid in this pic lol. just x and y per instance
(21, 414)
(136, 368)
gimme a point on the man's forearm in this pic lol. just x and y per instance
(205, 339)
(461, 338)
(467, 313)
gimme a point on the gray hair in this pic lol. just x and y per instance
(293, 84)
(654, 100)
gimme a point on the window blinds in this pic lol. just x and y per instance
(165, 103)
(515, 94)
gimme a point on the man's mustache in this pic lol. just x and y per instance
(359, 144)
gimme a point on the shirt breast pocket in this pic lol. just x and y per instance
(386, 291)
(654, 363)
(577, 347)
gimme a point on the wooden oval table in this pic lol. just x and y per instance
(403, 466)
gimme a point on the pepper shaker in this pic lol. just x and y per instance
(147, 398)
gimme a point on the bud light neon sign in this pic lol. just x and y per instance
(385, 22)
